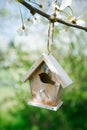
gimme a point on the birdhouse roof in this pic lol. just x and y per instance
(54, 67)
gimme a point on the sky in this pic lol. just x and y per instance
(10, 26)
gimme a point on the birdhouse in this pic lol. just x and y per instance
(47, 80)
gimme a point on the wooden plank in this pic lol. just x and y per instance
(46, 106)
(32, 69)
(57, 70)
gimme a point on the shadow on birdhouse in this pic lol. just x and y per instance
(47, 80)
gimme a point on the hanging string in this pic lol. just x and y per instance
(53, 28)
(50, 36)
(48, 42)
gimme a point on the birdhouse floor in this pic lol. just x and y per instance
(54, 108)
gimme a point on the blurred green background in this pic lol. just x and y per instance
(70, 49)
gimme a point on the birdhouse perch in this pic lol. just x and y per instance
(47, 80)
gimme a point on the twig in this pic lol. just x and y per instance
(49, 17)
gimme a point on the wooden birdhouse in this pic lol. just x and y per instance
(47, 80)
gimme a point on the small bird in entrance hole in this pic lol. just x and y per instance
(45, 78)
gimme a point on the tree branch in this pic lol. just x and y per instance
(50, 17)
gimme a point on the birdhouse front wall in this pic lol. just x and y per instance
(43, 93)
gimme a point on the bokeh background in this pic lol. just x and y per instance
(20, 49)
